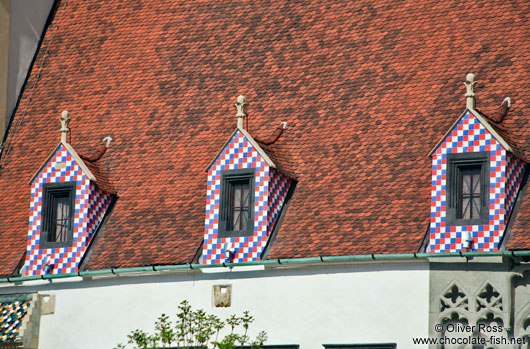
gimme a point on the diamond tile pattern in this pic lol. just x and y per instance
(90, 206)
(269, 193)
(468, 136)
(11, 316)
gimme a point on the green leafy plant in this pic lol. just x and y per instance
(195, 329)
(165, 330)
(140, 338)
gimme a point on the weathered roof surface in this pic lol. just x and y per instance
(280, 155)
(102, 180)
(367, 89)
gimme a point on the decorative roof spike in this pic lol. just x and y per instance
(240, 106)
(107, 141)
(470, 93)
(65, 119)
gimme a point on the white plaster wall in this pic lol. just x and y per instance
(370, 303)
(28, 18)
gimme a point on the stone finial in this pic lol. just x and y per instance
(240, 106)
(470, 93)
(65, 119)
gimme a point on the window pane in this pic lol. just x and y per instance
(236, 220)
(244, 219)
(469, 195)
(466, 208)
(57, 211)
(245, 194)
(237, 195)
(476, 183)
(476, 207)
(240, 205)
(62, 219)
(466, 182)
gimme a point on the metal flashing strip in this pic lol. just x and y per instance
(285, 262)
(18, 297)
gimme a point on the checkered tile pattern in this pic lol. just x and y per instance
(514, 175)
(470, 136)
(11, 316)
(270, 190)
(279, 186)
(90, 206)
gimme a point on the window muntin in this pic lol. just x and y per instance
(236, 209)
(57, 214)
(467, 188)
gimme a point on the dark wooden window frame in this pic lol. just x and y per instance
(455, 164)
(49, 192)
(228, 178)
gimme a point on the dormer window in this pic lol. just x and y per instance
(467, 188)
(245, 195)
(67, 205)
(237, 203)
(57, 214)
(475, 180)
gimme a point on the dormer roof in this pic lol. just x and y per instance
(90, 168)
(264, 148)
(74, 155)
(483, 122)
(470, 108)
(252, 141)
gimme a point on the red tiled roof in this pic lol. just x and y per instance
(367, 89)
(505, 134)
(280, 156)
(102, 180)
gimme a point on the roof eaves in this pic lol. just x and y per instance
(258, 148)
(447, 133)
(80, 162)
(494, 133)
(281, 262)
(220, 150)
